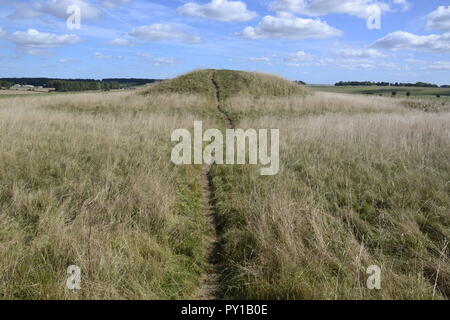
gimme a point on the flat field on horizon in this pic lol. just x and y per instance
(401, 92)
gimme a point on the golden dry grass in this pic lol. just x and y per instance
(87, 180)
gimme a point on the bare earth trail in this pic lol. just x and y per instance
(210, 288)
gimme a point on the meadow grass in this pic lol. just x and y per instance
(364, 181)
(86, 180)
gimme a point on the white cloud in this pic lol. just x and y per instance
(415, 61)
(102, 56)
(438, 66)
(316, 8)
(400, 40)
(347, 63)
(359, 53)
(120, 42)
(114, 3)
(36, 52)
(159, 31)
(405, 4)
(163, 61)
(58, 8)
(67, 60)
(143, 55)
(299, 56)
(98, 55)
(439, 19)
(287, 26)
(24, 11)
(222, 10)
(259, 59)
(35, 39)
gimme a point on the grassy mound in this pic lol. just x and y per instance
(196, 82)
(234, 83)
(231, 83)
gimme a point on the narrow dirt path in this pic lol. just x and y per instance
(210, 288)
(229, 122)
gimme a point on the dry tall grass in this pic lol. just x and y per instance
(87, 180)
(364, 181)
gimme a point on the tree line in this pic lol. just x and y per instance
(5, 84)
(76, 84)
(64, 85)
(388, 84)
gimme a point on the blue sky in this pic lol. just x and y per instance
(318, 41)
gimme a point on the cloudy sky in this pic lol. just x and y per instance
(318, 41)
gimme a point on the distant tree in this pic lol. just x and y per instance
(5, 84)
(386, 84)
(394, 93)
(408, 94)
(438, 96)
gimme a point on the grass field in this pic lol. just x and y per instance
(87, 180)
(415, 92)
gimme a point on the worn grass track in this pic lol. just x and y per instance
(210, 288)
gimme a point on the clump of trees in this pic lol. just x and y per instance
(104, 84)
(65, 85)
(387, 84)
(5, 84)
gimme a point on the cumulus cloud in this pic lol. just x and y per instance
(259, 59)
(415, 61)
(159, 32)
(439, 19)
(287, 26)
(163, 61)
(102, 56)
(438, 66)
(24, 11)
(405, 4)
(299, 56)
(35, 39)
(316, 8)
(120, 42)
(55, 8)
(347, 63)
(221, 10)
(67, 61)
(359, 53)
(400, 40)
(114, 3)
(58, 9)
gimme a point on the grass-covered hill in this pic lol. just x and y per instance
(230, 82)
